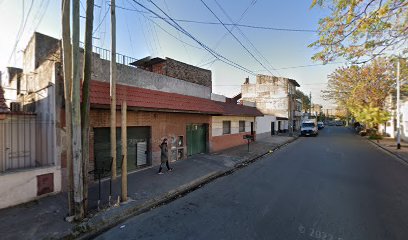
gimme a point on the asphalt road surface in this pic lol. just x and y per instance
(336, 186)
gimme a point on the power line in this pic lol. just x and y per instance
(232, 24)
(178, 33)
(103, 20)
(235, 37)
(185, 32)
(21, 29)
(247, 39)
(226, 34)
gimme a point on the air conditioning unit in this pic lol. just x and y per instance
(15, 107)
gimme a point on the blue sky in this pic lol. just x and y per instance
(139, 35)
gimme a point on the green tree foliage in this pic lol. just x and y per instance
(357, 28)
(369, 115)
(362, 90)
(304, 98)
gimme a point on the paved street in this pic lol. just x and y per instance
(334, 186)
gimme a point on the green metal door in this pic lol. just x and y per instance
(138, 140)
(189, 135)
(196, 139)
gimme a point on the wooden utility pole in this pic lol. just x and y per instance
(76, 116)
(290, 110)
(85, 106)
(67, 66)
(113, 89)
(124, 151)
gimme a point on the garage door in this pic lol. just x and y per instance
(138, 141)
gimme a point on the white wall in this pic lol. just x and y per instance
(404, 121)
(263, 124)
(216, 124)
(21, 186)
(218, 97)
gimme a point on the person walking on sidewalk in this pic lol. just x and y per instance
(164, 156)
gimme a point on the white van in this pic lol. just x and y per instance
(309, 128)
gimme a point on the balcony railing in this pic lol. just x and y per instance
(106, 55)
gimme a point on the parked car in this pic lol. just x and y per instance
(339, 123)
(309, 128)
(320, 125)
(332, 123)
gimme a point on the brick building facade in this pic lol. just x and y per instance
(176, 69)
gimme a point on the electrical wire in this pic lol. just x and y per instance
(21, 30)
(250, 53)
(185, 32)
(103, 20)
(178, 33)
(230, 24)
(247, 39)
(215, 47)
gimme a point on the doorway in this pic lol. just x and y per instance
(196, 138)
(272, 128)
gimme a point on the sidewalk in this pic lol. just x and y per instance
(44, 218)
(390, 145)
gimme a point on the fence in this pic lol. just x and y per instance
(106, 54)
(25, 142)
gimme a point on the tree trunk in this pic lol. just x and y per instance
(76, 116)
(67, 66)
(85, 106)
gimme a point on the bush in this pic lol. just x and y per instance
(375, 137)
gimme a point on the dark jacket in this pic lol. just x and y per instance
(164, 152)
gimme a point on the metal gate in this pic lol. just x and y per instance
(196, 139)
(137, 147)
(20, 143)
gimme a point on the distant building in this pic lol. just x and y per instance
(316, 109)
(274, 96)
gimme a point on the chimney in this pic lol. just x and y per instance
(246, 80)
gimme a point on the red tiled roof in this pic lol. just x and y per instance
(232, 109)
(151, 99)
(3, 105)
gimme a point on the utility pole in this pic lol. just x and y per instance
(85, 106)
(76, 116)
(124, 152)
(290, 116)
(113, 89)
(398, 107)
(310, 98)
(67, 66)
(290, 102)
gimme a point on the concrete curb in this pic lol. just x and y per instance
(111, 217)
(404, 161)
(105, 220)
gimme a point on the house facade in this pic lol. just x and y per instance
(274, 96)
(236, 121)
(164, 100)
(30, 152)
